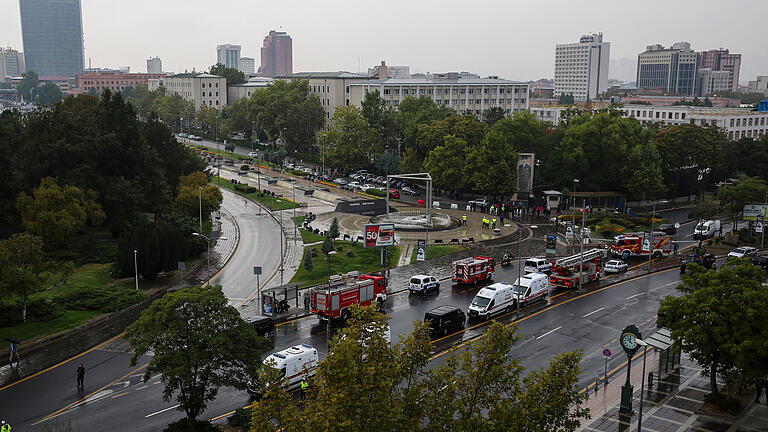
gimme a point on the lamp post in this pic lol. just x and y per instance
(650, 240)
(519, 267)
(574, 190)
(136, 268)
(200, 198)
(762, 237)
(208, 254)
(328, 302)
(581, 238)
(295, 235)
(643, 344)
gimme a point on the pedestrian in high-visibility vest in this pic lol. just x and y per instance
(494, 223)
(5, 427)
(304, 387)
(485, 222)
(464, 220)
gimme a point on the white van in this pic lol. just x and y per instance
(531, 287)
(295, 363)
(537, 265)
(706, 229)
(491, 300)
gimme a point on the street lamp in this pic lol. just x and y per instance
(328, 301)
(200, 198)
(207, 239)
(643, 344)
(519, 241)
(581, 238)
(574, 190)
(650, 240)
(136, 268)
(295, 235)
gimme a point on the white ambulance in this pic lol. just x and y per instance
(492, 300)
(531, 287)
(294, 363)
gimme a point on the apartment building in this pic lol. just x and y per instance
(668, 69)
(581, 68)
(228, 55)
(725, 61)
(332, 88)
(712, 81)
(154, 65)
(247, 65)
(759, 85)
(11, 63)
(737, 122)
(465, 95)
(199, 88)
(112, 79)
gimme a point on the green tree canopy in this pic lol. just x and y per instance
(195, 193)
(491, 167)
(744, 190)
(59, 213)
(492, 115)
(445, 164)
(232, 75)
(643, 172)
(687, 152)
(431, 135)
(48, 94)
(351, 144)
(199, 343)
(21, 263)
(28, 84)
(413, 112)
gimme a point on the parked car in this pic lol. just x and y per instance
(409, 191)
(183, 135)
(340, 181)
(480, 202)
(443, 319)
(354, 185)
(253, 154)
(423, 284)
(760, 261)
(743, 252)
(615, 266)
(367, 186)
(307, 170)
(394, 194)
(537, 265)
(668, 229)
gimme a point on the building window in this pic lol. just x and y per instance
(217, 102)
(682, 117)
(750, 122)
(657, 114)
(217, 94)
(217, 85)
(347, 89)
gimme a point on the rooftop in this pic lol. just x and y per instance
(193, 75)
(436, 81)
(338, 74)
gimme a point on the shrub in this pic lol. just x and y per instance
(244, 167)
(104, 299)
(240, 419)
(39, 310)
(376, 192)
(298, 173)
(725, 403)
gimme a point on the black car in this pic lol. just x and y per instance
(668, 229)
(707, 260)
(760, 261)
(265, 327)
(443, 319)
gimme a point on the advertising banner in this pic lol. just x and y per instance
(752, 211)
(421, 250)
(379, 235)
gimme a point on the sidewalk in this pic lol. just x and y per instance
(224, 225)
(672, 404)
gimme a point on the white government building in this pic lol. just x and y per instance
(581, 68)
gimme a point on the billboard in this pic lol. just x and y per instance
(752, 211)
(421, 250)
(379, 235)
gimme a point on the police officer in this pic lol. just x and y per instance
(464, 220)
(304, 387)
(494, 223)
(5, 427)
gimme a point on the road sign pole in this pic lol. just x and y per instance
(605, 372)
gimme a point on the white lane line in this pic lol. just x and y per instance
(549, 332)
(594, 311)
(161, 411)
(633, 296)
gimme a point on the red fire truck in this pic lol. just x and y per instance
(333, 299)
(628, 245)
(565, 271)
(472, 270)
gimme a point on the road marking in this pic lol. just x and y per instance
(60, 410)
(63, 362)
(635, 295)
(140, 388)
(119, 394)
(161, 411)
(549, 332)
(594, 311)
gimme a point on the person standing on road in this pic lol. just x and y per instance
(14, 352)
(5, 427)
(494, 223)
(304, 387)
(464, 220)
(80, 376)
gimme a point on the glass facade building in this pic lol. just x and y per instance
(53, 36)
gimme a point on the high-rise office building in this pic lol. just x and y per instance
(228, 55)
(248, 65)
(581, 68)
(154, 65)
(722, 60)
(11, 63)
(53, 36)
(276, 55)
(671, 70)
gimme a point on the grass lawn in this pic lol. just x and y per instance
(306, 235)
(271, 202)
(438, 251)
(31, 329)
(364, 260)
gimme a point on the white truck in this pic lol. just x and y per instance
(706, 229)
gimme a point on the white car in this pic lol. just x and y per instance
(537, 265)
(615, 266)
(743, 252)
(409, 191)
(252, 154)
(423, 284)
(354, 185)
(340, 181)
(367, 186)
(307, 170)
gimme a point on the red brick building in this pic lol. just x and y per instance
(113, 80)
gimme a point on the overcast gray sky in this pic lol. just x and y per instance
(514, 39)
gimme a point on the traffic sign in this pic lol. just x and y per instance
(646, 244)
(759, 227)
(606, 353)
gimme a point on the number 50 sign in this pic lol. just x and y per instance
(379, 235)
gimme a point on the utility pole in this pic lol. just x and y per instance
(581, 238)
(136, 268)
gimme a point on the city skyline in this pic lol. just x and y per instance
(524, 51)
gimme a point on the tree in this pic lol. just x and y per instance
(48, 94)
(27, 85)
(232, 75)
(382, 119)
(308, 260)
(327, 244)
(413, 112)
(58, 213)
(690, 155)
(190, 197)
(743, 191)
(492, 115)
(491, 168)
(643, 171)
(719, 319)
(351, 144)
(333, 231)
(445, 164)
(388, 163)
(478, 388)
(431, 135)
(21, 262)
(199, 343)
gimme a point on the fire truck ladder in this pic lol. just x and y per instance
(576, 259)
